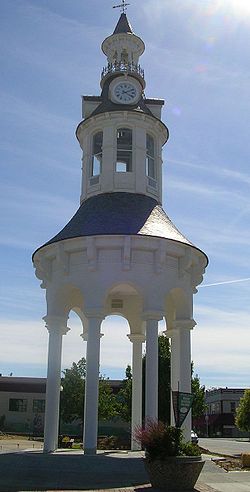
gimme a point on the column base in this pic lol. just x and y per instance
(49, 451)
(90, 451)
(135, 446)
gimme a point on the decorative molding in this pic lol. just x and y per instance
(155, 315)
(95, 312)
(198, 270)
(184, 324)
(56, 324)
(185, 263)
(136, 337)
(192, 264)
(42, 267)
(126, 260)
(62, 258)
(160, 256)
(92, 254)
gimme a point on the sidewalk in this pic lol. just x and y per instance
(71, 470)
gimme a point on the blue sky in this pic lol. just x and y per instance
(197, 59)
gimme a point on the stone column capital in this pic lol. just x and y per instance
(56, 324)
(136, 338)
(96, 313)
(152, 315)
(180, 324)
(84, 336)
(184, 324)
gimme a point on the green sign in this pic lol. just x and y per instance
(182, 402)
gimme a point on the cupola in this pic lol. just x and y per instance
(123, 49)
(122, 134)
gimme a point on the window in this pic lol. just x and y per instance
(124, 150)
(38, 406)
(17, 405)
(96, 162)
(232, 406)
(150, 157)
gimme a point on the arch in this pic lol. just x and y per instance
(61, 301)
(125, 288)
(126, 300)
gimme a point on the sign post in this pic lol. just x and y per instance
(182, 402)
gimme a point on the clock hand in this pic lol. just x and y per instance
(127, 91)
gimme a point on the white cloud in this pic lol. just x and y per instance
(213, 192)
(221, 343)
(25, 343)
(217, 170)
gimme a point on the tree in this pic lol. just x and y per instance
(242, 418)
(198, 392)
(164, 378)
(72, 395)
(107, 407)
(124, 396)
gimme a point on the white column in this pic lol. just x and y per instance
(57, 327)
(181, 365)
(151, 390)
(137, 340)
(92, 386)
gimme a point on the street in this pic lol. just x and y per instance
(225, 446)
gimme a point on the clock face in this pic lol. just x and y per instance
(125, 93)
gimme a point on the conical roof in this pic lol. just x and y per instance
(120, 213)
(123, 25)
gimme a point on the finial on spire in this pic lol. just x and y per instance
(122, 6)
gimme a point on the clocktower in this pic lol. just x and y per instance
(120, 253)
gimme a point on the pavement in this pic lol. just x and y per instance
(29, 469)
(226, 446)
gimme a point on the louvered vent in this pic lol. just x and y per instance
(117, 303)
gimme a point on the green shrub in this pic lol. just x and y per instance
(160, 441)
(190, 449)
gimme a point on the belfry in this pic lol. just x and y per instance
(120, 253)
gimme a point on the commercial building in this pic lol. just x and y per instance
(22, 404)
(219, 420)
(22, 408)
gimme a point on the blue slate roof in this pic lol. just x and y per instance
(120, 213)
(123, 25)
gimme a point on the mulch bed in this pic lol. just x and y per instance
(230, 464)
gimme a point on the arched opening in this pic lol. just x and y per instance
(115, 356)
(96, 161)
(150, 157)
(115, 329)
(74, 347)
(124, 150)
(71, 394)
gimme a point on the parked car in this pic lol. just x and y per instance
(194, 437)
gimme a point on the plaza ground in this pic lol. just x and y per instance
(24, 467)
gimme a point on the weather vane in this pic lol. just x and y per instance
(122, 6)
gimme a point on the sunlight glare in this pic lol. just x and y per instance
(238, 7)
